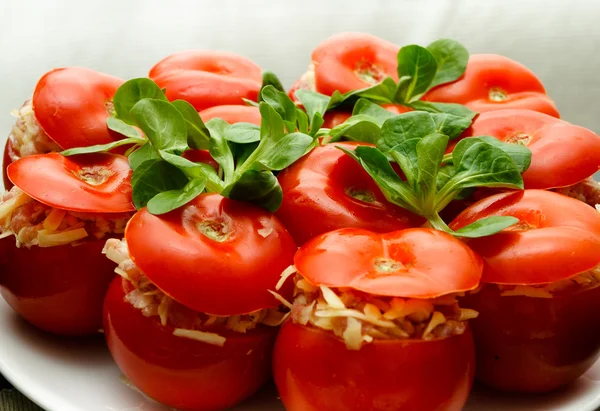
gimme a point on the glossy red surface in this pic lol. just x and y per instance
(317, 196)
(185, 374)
(314, 371)
(58, 289)
(527, 344)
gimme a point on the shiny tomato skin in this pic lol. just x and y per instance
(315, 198)
(314, 371)
(534, 345)
(57, 289)
(208, 78)
(552, 163)
(201, 156)
(226, 277)
(57, 104)
(232, 114)
(90, 183)
(340, 59)
(6, 160)
(182, 373)
(557, 237)
(403, 263)
(518, 86)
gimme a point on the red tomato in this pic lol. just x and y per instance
(352, 61)
(208, 78)
(327, 189)
(530, 344)
(526, 343)
(557, 237)
(183, 373)
(228, 254)
(5, 163)
(58, 289)
(314, 371)
(404, 263)
(562, 154)
(97, 183)
(493, 82)
(233, 114)
(57, 104)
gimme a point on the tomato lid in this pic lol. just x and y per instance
(411, 263)
(90, 183)
(72, 105)
(208, 78)
(233, 114)
(562, 154)
(351, 61)
(214, 255)
(558, 237)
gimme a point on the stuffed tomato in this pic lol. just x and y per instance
(375, 323)
(539, 324)
(55, 118)
(192, 323)
(327, 190)
(53, 225)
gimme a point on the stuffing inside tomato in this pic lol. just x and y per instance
(53, 225)
(196, 289)
(539, 302)
(327, 190)
(378, 311)
(494, 82)
(208, 78)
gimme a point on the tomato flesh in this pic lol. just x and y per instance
(327, 190)
(57, 289)
(91, 183)
(183, 373)
(494, 82)
(57, 104)
(208, 78)
(181, 253)
(314, 371)
(528, 344)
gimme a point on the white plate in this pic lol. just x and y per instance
(79, 375)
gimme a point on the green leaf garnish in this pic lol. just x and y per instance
(153, 177)
(133, 91)
(198, 135)
(123, 128)
(162, 123)
(170, 200)
(451, 57)
(417, 67)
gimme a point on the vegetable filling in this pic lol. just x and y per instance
(359, 318)
(187, 323)
(27, 137)
(587, 191)
(34, 223)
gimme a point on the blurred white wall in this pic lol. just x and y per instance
(559, 40)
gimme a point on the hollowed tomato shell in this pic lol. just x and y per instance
(560, 238)
(486, 72)
(222, 278)
(411, 263)
(183, 373)
(527, 344)
(57, 289)
(91, 183)
(208, 78)
(72, 105)
(314, 371)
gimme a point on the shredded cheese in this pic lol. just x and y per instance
(202, 336)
